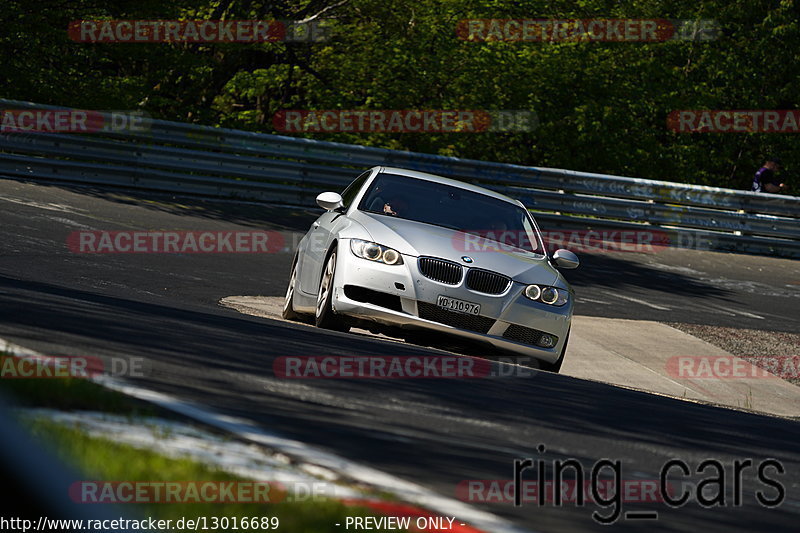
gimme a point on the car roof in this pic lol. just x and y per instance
(451, 182)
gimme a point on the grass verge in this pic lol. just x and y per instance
(101, 459)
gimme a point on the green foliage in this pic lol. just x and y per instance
(602, 107)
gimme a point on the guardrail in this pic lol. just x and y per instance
(201, 160)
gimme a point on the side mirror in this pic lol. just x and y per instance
(565, 259)
(329, 201)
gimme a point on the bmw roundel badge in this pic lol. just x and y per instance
(466, 258)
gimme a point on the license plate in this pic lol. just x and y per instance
(459, 306)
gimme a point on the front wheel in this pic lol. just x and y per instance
(324, 317)
(556, 366)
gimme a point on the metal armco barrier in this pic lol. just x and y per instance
(200, 160)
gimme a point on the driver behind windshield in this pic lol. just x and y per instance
(396, 206)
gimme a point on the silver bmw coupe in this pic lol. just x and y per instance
(424, 253)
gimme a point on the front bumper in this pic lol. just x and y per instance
(406, 288)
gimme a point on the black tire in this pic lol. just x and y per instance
(324, 317)
(288, 312)
(556, 366)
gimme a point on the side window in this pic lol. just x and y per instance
(351, 191)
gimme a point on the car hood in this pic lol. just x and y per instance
(416, 238)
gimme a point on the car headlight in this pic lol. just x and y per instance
(546, 294)
(373, 251)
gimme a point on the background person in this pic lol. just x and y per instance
(765, 179)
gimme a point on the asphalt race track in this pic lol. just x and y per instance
(437, 433)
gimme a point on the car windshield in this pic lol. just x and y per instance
(439, 204)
